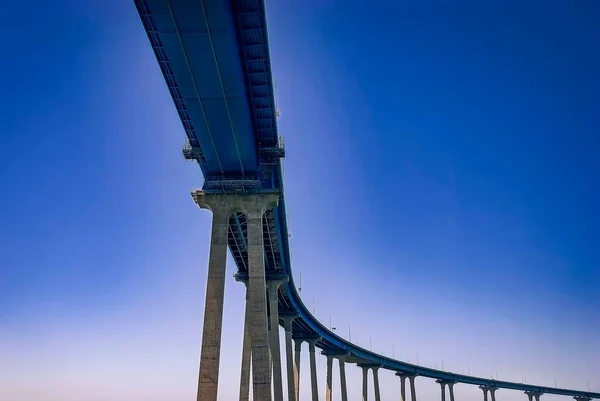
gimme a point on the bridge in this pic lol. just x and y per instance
(214, 56)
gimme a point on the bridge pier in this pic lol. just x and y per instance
(291, 369)
(533, 394)
(411, 377)
(443, 384)
(413, 393)
(365, 383)
(492, 391)
(365, 389)
(402, 377)
(313, 368)
(451, 390)
(297, 351)
(328, 388)
(246, 347)
(342, 363)
(210, 353)
(329, 378)
(375, 371)
(222, 206)
(273, 288)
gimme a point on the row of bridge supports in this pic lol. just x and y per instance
(261, 354)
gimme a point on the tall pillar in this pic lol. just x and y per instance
(413, 393)
(313, 369)
(443, 386)
(402, 385)
(329, 378)
(273, 287)
(254, 207)
(297, 350)
(485, 392)
(375, 370)
(342, 362)
(451, 389)
(492, 393)
(210, 353)
(291, 377)
(246, 348)
(365, 383)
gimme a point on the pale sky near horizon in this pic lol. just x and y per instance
(441, 184)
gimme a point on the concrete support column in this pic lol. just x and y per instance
(450, 384)
(254, 206)
(210, 353)
(342, 362)
(402, 385)
(413, 393)
(443, 386)
(273, 287)
(365, 383)
(376, 383)
(493, 393)
(297, 350)
(329, 378)
(313, 369)
(291, 372)
(485, 393)
(246, 354)
(451, 389)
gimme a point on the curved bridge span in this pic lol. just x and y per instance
(214, 56)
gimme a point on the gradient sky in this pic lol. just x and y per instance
(441, 183)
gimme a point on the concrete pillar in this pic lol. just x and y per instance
(376, 383)
(492, 393)
(402, 385)
(443, 386)
(529, 395)
(313, 369)
(246, 354)
(329, 378)
(451, 389)
(485, 393)
(287, 325)
(342, 362)
(254, 207)
(413, 393)
(273, 287)
(365, 383)
(297, 350)
(210, 353)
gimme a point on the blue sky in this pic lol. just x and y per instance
(440, 182)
